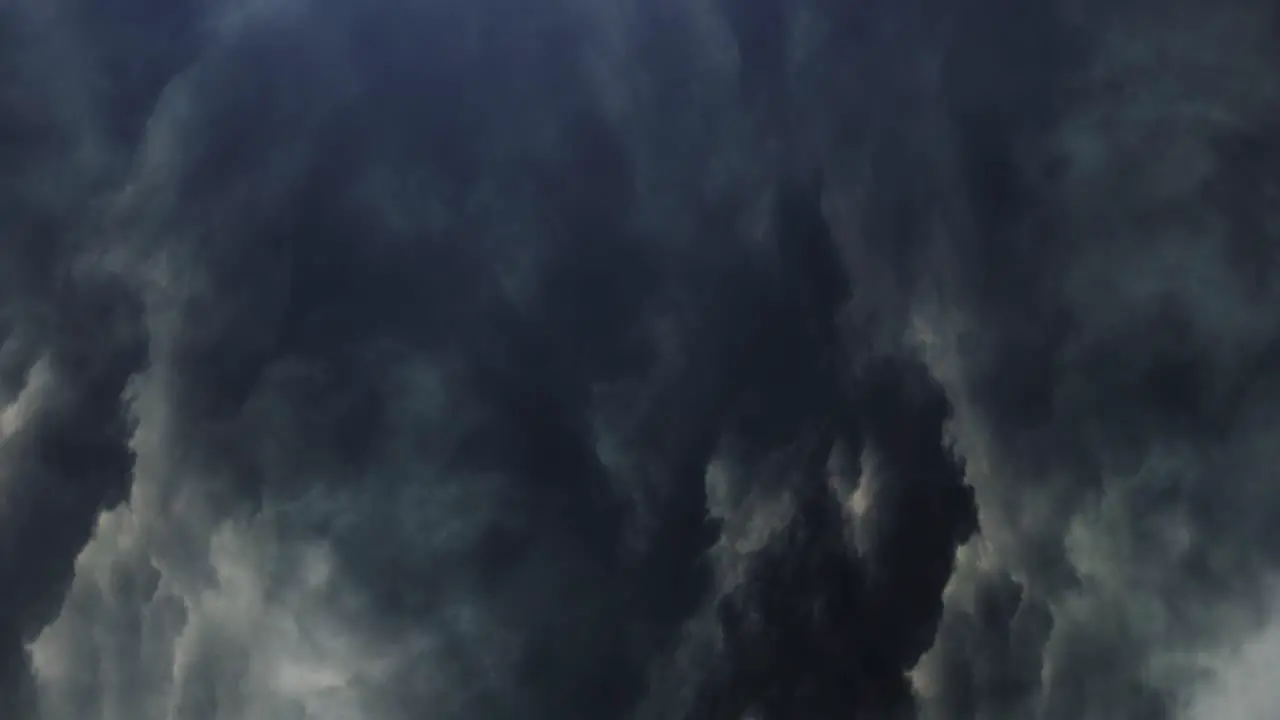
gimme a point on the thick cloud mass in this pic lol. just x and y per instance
(713, 360)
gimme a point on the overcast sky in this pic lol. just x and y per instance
(652, 360)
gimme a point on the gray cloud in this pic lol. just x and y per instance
(657, 360)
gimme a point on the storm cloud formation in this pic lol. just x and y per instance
(661, 360)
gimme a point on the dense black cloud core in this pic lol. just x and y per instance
(713, 360)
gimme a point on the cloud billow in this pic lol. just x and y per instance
(724, 360)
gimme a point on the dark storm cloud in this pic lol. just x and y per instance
(634, 360)
(67, 343)
(1120, 382)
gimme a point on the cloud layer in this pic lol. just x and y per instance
(716, 360)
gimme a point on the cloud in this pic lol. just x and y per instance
(1243, 688)
(657, 360)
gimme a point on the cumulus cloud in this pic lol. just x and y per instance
(718, 360)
